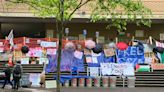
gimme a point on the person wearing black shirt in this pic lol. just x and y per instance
(7, 72)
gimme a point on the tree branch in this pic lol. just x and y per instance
(77, 7)
(28, 3)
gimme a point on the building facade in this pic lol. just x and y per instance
(25, 23)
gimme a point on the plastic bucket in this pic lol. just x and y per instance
(89, 82)
(74, 82)
(131, 82)
(66, 84)
(113, 81)
(105, 81)
(97, 82)
(81, 82)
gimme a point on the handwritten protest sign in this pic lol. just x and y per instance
(106, 68)
(131, 55)
(94, 71)
(125, 69)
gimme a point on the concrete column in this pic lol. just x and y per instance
(1, 35)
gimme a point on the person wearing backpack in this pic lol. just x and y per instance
(7, 72)
(17, 73)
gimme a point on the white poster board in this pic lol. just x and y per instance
(94, 71)
(1, 49)
(43, 60)
(106, 68)
(47, 44)
(125, 69)
(25, 60)
(50, 84)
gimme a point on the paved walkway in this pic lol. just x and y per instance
(143, 89)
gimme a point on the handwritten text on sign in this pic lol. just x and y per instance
(125, 69)
(132, 55)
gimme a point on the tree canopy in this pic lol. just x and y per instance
(119, 11)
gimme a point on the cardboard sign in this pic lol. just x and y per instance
(17, 55)
(87, 52)
(109, 52)
(157, 66)
(101, 39)
(48, 44)
(139, 33)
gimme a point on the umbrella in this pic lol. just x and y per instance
(158, 49)
(97, 49)
(122, 46)
(90, 44)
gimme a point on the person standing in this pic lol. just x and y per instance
(17, 73)
(7, 72)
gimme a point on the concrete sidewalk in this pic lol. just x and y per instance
(142, 89)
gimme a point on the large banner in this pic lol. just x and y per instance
(133, 55)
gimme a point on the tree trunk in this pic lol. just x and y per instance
(60, 32)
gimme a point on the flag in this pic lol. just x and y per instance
(10, 39)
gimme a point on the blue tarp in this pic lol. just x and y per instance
(68, 61)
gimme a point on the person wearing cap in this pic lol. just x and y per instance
(7, 72)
